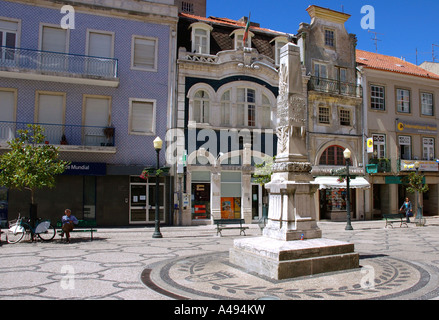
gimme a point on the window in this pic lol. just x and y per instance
(342, 78)
(225, 108)
(100, 44)
(239, 39)
(9, 39)
(144, 53)
(54, 39)
(7, 104)
(427, 104)
(324, 115)
(187, 7)
(246, 107)
(377, 97)
(379, 146)
(428, 149)
(320, 70)
(200, 110)
(333, 156)
(51, 114)
(405, 143)
(329, 38)
(97, 116)
(403, 100)
(345, 117)
(142, 117)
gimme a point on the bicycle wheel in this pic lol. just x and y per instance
(15, 234)
(48, 235)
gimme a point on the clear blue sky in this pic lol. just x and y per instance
(403, 26)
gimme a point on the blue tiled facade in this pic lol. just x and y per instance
(131, 149)
(111, 194)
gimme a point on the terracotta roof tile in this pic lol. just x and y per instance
(392, 64)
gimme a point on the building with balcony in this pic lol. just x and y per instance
(226, 99)
(401, 117)
(99, 77)
(328, 53)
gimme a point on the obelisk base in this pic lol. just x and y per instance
(277, 259)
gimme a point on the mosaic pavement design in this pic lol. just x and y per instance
(211, 276)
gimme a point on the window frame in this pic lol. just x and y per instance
(203, 100)
(421, 94)
(55, 26)
(379, 146)
(340, 117)
(380, 100)
(200, 26)
(154, 117)
(430, 147)
(321, 115)
(405, 144)
(325, 38)
(337, 154)
(14, 91)
(156, 49)
(403, 101)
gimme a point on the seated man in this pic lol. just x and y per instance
(68, 222)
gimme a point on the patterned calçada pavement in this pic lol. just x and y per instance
(191, 263)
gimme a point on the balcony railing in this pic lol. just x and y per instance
(379, 166)
(60, 134)
(59, 63)
(335, 87)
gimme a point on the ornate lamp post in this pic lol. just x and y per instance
(347, 156)
(158, 143)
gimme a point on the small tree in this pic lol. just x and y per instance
(30, 164)
(416, 185)
(264, 171)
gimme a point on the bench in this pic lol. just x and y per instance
(398, 217)
(222, 224)
(82, 226)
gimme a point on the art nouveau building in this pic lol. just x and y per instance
(226, 93)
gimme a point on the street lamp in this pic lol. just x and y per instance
(347, 156)
(419, 208)
(158, 143)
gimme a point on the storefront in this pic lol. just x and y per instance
(332, 198)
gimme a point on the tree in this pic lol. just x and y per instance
(415, 182)
(30, 164)
(264, 171)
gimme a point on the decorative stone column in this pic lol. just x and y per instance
(292, 243)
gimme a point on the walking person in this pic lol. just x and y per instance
(68, 223)
(407, 208)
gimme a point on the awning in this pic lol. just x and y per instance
(332, 183)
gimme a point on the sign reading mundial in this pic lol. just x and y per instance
(413, 127)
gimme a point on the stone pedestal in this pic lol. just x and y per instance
(277, 259)
(292, 243)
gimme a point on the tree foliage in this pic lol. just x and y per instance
(415, 183)
(30, 164)
(263, 171)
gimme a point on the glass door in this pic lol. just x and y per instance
(138, 207)
(142, 200)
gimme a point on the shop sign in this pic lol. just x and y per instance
(414, 127)
(429, 166)
(86, 169)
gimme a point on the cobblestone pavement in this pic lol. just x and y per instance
(192, 263)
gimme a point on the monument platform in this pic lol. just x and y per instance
(277, 259)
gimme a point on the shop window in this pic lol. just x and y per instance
(230, 195)
(333, 156)
(200, 195)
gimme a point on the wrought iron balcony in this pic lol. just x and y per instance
(379, 166)
(335, 87)
(61, 134)
(62, 64)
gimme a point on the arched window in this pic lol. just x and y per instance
(333, 156)
(200, 111)
(246, 107)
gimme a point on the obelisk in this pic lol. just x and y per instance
(292, 243)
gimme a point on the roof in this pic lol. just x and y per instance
(382, 62)
(230, 22)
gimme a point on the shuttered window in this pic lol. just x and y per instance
(97, 111)
(7, 105)
(51, 115)
(145, 53)
(142, 117)
(54, 39)
(100, 45)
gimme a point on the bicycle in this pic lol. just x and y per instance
(18, 228)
